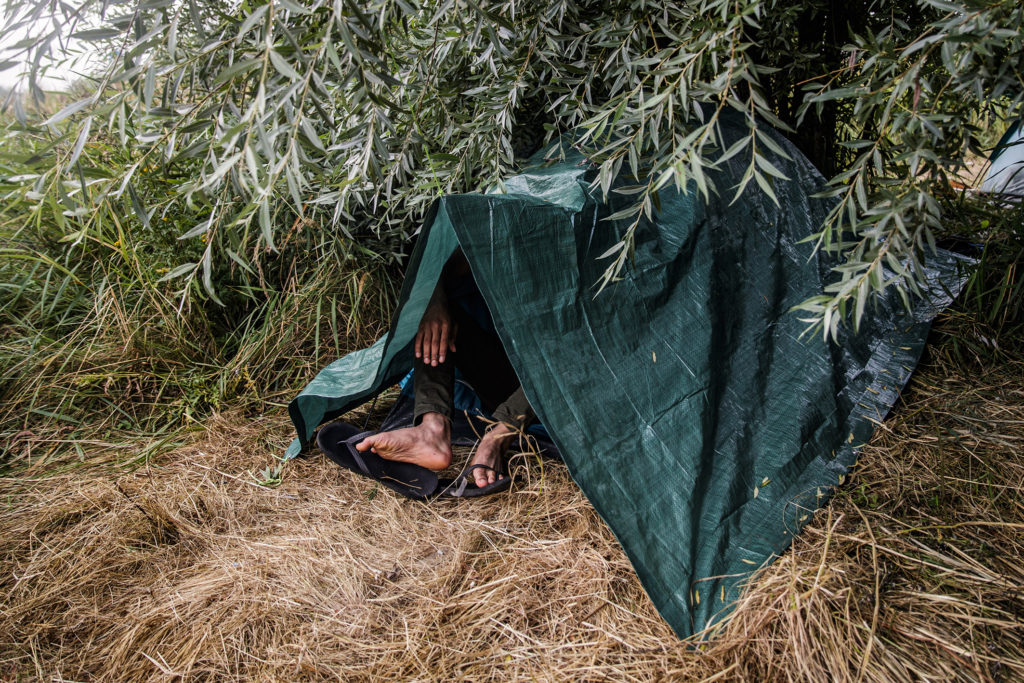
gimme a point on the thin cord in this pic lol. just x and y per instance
(373, 407)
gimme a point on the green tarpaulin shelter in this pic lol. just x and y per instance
(686, 399)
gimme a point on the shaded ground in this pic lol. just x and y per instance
(186, 569)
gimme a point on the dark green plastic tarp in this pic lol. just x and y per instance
(686, 399)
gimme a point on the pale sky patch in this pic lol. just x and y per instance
(77, 60)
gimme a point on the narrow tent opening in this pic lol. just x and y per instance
(484, 376)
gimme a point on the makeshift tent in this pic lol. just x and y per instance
(1006, 173)
(689, 403)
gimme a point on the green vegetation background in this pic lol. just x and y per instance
(163, 256)
(97, 350)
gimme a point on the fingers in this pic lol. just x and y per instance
(429, 356)
(435, 337)
(424, 345)
(442, 346)
(366, 443)
(434, 341)
(430, 345)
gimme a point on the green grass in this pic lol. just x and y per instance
(96, 348)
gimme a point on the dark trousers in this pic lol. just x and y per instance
(482, 361)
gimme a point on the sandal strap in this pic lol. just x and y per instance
(351, 442)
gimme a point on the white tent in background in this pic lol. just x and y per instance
(1006, 173)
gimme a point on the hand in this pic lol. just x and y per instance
(436, 335)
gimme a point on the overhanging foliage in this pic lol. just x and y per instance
(358, 115)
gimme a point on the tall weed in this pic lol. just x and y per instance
(98, 346)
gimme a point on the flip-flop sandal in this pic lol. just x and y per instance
(338, 442)
(462, 486)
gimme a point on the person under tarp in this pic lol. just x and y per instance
(456, 331)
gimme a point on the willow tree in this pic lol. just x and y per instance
(354, 116)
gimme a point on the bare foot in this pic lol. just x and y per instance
(491, 452)
(428, 444)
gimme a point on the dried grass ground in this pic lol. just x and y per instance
(185, 569)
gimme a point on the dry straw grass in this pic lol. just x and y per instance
(185, 569)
